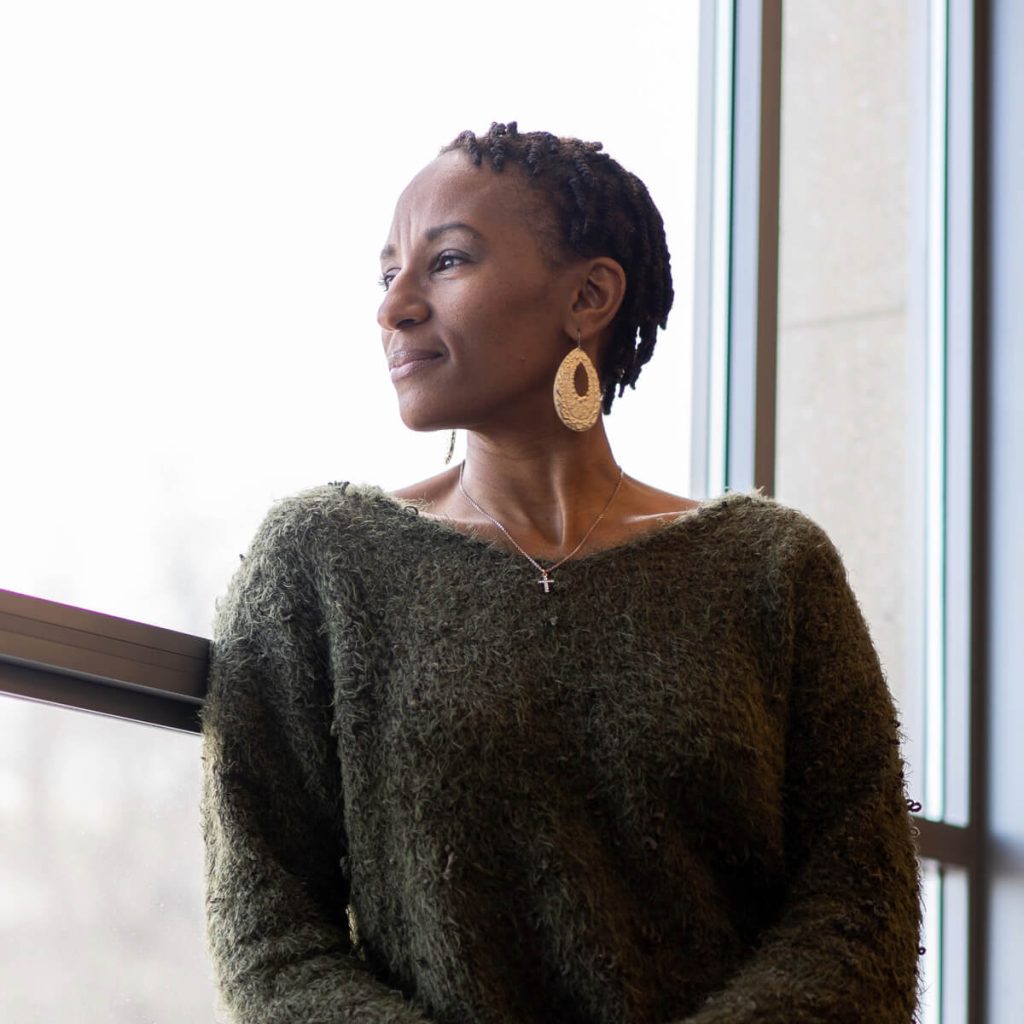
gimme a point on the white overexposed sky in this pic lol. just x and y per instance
(192, 199)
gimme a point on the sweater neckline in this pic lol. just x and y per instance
(678, 523)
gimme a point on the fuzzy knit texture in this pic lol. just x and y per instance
(669, 791)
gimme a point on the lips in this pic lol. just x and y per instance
(404, 362)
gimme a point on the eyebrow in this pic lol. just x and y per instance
(432, 234)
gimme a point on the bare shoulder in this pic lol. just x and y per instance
(432, 491)
(649, 504)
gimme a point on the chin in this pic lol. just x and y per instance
(421, 419)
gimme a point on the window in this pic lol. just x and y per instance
(868, 418)
(841, 375)
(101, 870)
(192, 219)
(192, 206)
(181, 258)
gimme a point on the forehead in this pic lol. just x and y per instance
(451, 188)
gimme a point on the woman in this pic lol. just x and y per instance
(532, 741)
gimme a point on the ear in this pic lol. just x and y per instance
(600, 289)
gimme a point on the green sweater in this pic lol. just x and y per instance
(670, 790)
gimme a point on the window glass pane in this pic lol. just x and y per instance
(930, 1008)
(944, 937)
(100, 871)
(192, 201)
(860, 343)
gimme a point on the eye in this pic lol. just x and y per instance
(448, 260)
(444, 261)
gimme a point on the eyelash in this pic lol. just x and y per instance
(384, 281)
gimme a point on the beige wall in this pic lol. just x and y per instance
(849, 444)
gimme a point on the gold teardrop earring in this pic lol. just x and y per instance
(576, 411)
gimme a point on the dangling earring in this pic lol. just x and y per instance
(576, 411)
(451, 448)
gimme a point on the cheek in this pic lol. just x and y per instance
(478, 327)
(502, 325)
(519, 320)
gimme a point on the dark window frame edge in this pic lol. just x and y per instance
(74, 658)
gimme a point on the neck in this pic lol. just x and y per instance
(547, 489)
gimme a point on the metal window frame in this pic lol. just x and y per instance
(998, 708)
(958, 339)
(736, 359)
(736, 286)
(81, 659)
(966, 676)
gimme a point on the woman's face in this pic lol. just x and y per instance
(475, 320)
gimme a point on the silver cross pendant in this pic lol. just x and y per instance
(546, 582)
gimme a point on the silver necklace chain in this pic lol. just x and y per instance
(545, 582)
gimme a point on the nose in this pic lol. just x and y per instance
(403, 305)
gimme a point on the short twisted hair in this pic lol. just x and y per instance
(599, 209)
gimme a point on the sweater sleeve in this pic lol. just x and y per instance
(276, 888)
(845, 944)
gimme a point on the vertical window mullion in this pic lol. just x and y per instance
(935, 415)
(964, 684)
(713, 247)
(754, 253)
(736, 307)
